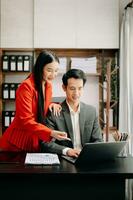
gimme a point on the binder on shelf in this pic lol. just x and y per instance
(12, 90)
(19, 63)
(26, 63)
(5, 63)
(6, 118)
(12, 116)
(13, 63)
(5, 90)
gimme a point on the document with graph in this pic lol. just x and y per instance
(42, 159)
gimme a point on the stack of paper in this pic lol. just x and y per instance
(63, 64)
(88, 65)
(41, 159)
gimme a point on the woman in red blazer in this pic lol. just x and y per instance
(33, 98)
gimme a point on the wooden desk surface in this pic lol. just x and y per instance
(104, 181)
(13, 163)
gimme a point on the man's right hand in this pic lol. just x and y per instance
(73, 152)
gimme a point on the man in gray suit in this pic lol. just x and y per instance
(76, 118)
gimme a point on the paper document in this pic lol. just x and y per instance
(63, 64)
(88, 65)
(41, 159)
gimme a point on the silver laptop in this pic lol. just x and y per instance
(98, 152)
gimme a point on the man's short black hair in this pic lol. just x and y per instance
(73, 73)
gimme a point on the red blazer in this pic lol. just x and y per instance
(25, 132)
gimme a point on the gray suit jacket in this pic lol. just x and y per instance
(89, 127)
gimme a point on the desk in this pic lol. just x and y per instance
(64, 181)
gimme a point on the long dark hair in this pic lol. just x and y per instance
(44, 58)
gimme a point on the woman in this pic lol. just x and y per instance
(33, 99)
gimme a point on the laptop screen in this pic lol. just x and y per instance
(98, 152)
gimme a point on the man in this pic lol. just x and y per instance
(77, 119)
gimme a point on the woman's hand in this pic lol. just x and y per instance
(59, 135)
(55, 108)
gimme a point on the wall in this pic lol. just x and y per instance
(68, 23)
(17, 23)
(17, 29)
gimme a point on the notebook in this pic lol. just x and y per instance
(42, 159)
(98, 152)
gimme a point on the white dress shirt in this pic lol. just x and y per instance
(76, 129)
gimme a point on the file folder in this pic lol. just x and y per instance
(6, 118)
(12, 116)
(27, 63)
(12, 90)
(20, 63)
(5, 63)
(5, 90)
(13, 63)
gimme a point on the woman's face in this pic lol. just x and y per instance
(50, 71)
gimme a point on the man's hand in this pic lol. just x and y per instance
(73, 152)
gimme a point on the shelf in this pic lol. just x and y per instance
(93, 74)
(15, 73)
(87, 74)
(18, 50)
(13, 76)
(8, 100)
(101, 56)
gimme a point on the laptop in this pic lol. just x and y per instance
(93, 153)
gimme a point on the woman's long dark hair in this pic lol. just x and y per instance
(44, 58)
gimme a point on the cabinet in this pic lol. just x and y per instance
(15, 67)
(60, 24)
(16, 23)
(79, 24)
(54, 23)
(93, 91)
(97, 24)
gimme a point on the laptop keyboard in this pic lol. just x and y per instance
(71, 159)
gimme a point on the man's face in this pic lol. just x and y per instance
(74, 90)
